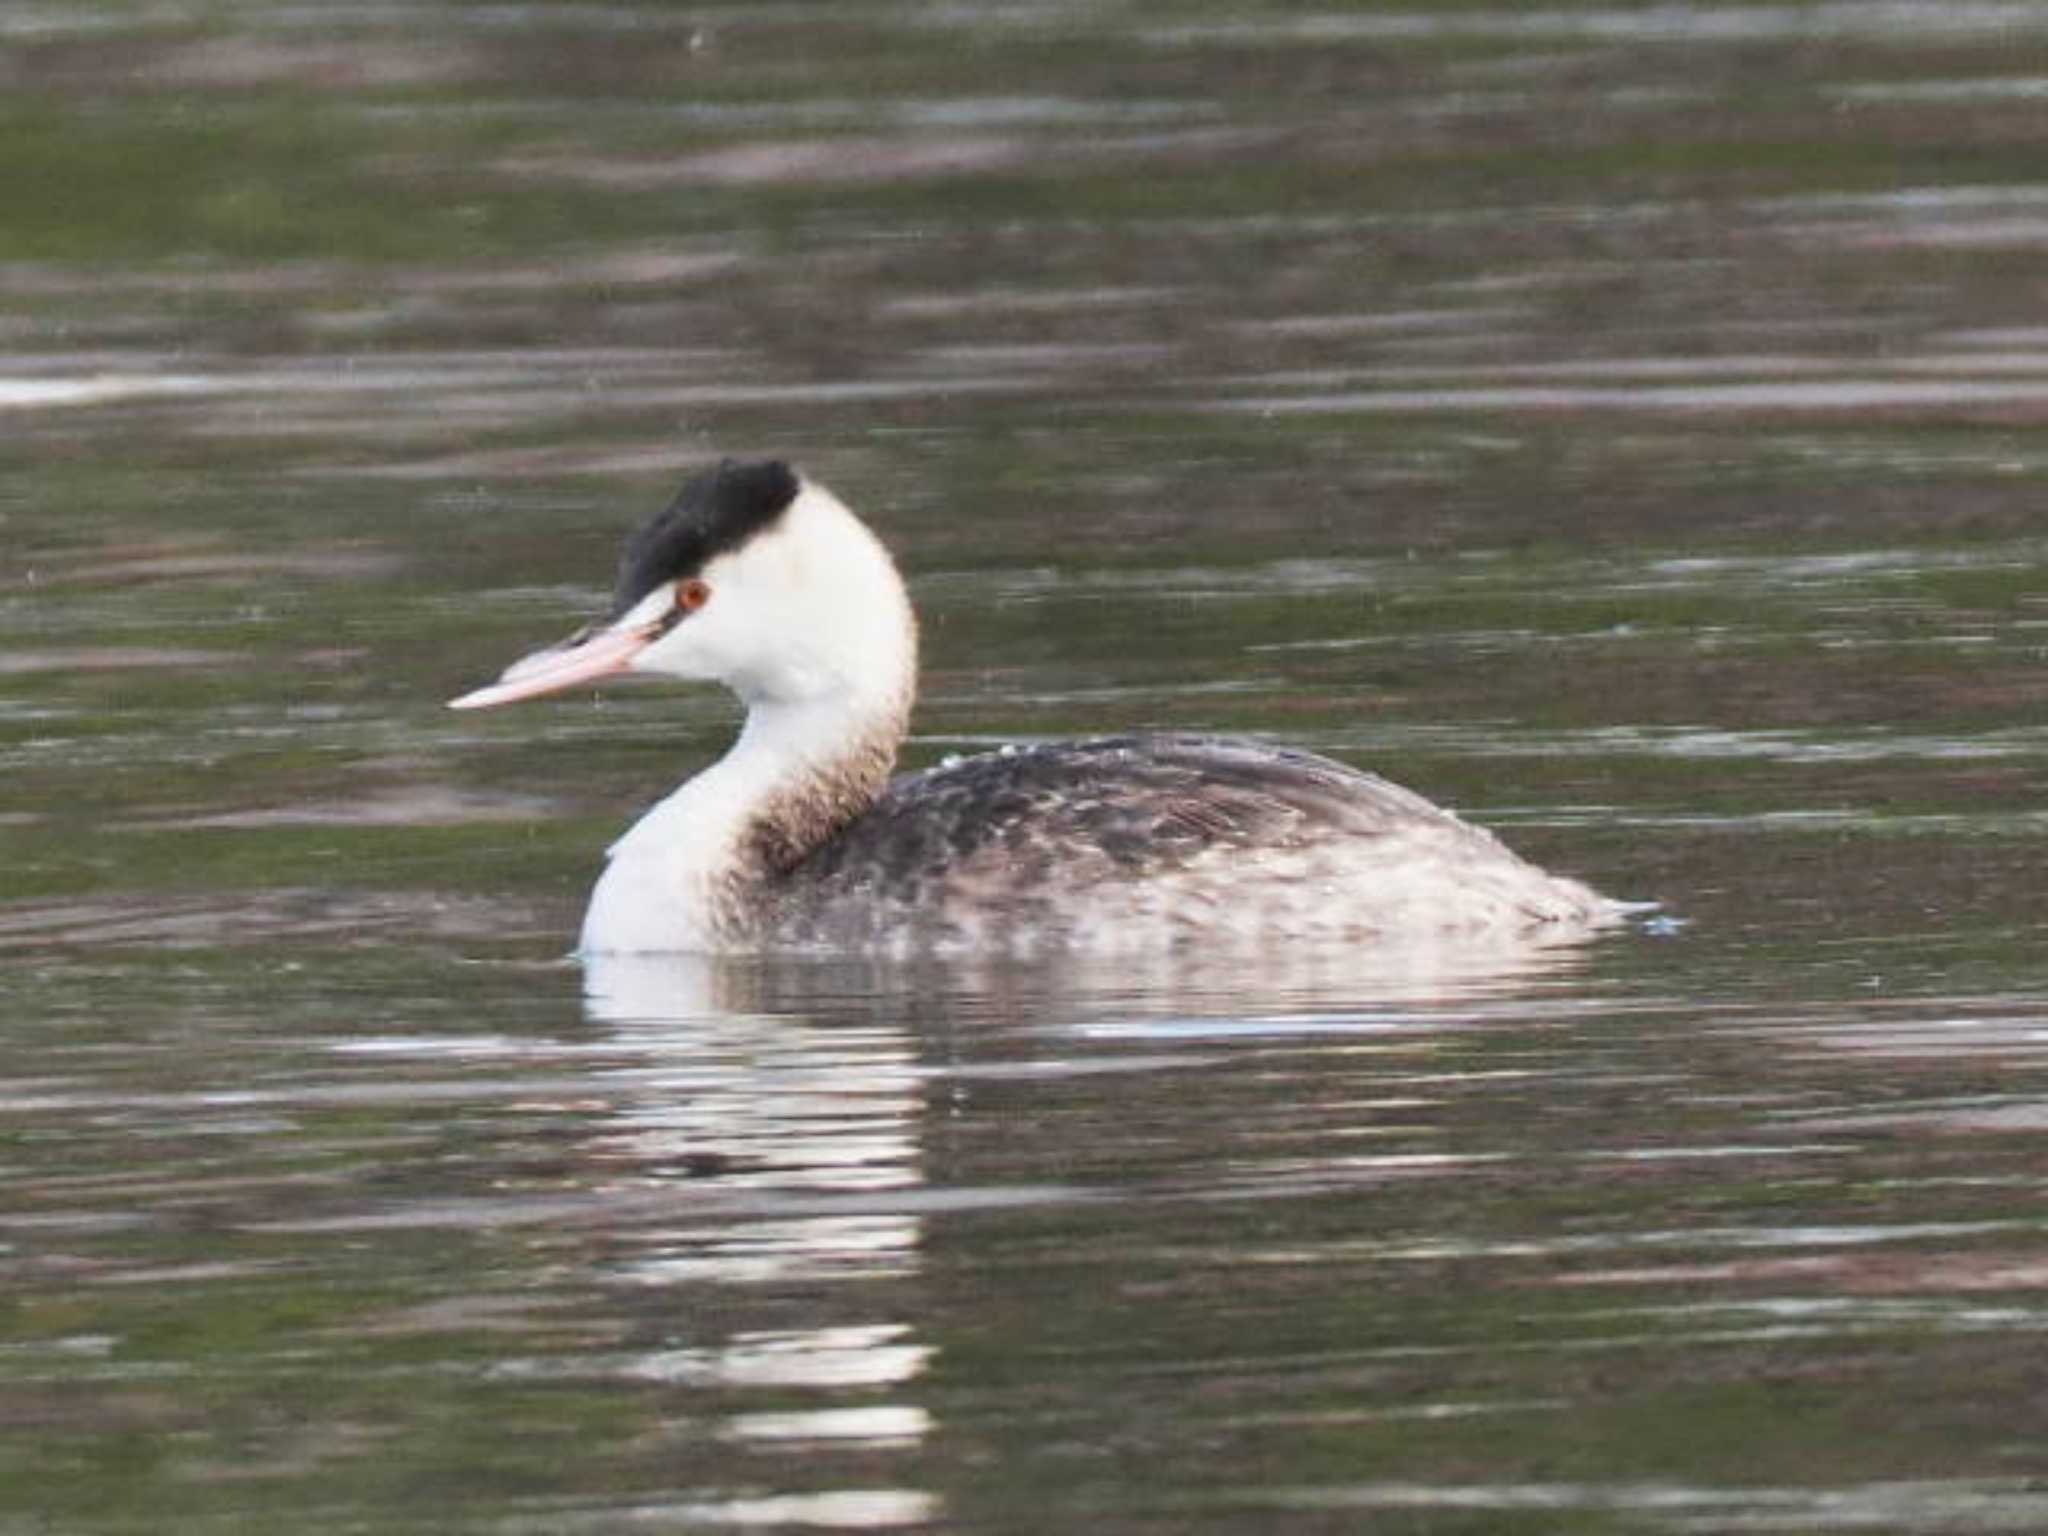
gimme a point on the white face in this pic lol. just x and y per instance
(807, 610)
(743, 616)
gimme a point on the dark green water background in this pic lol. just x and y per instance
(1626, 423)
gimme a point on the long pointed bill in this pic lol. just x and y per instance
(562, 666)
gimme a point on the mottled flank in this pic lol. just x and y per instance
(714, 512)
(1133, 842)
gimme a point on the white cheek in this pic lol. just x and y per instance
(694, 648)
(655, 605)
(713, 643)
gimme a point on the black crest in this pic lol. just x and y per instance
(716, 511)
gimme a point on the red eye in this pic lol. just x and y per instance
(692, 594)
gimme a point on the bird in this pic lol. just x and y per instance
(757, 577)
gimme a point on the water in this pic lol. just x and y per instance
(1619, 422)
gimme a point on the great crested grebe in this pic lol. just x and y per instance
(758, 578)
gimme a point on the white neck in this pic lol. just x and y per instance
(696, 872)
(828, 686)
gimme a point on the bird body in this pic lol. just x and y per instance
(798, 839)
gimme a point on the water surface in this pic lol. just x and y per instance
(1620, 422)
